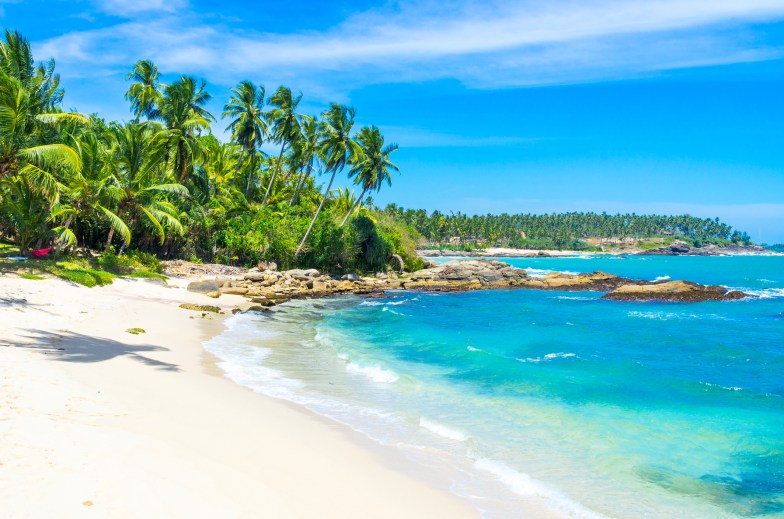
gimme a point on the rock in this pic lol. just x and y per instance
(397, 263)
(214, 294)
(319, 286)
(254, 276)
(381, 275)
(238, 291)
(672, 291)
(268, 265)
(203, 287)
(349, 277)
(200, 308)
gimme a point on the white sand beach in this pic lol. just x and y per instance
(97, 422)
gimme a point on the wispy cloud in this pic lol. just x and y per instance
(410, 137)
(133, 7)
(483, 44)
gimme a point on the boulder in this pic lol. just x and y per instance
(238, 291)
(349, 277)
(206, 286)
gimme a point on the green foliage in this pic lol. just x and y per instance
(87, 277)
(134, 264)
(135, 331)
(27, 275)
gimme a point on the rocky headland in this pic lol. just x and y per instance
(267, 288)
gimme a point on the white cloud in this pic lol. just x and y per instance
(132, 7)
(484, 45)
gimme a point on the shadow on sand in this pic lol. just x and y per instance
(76, 347)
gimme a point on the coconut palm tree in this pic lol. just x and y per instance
(305, 153)
(285, 123)
(88, 192)
(337, 149)
(248, 125)
(145, 93)
(184, 118)
(372, 169)
(136, 169)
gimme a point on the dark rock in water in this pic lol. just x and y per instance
(674, 249)
(672, 291)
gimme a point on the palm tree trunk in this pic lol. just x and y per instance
(274, 174)
(59, 246)
(320, 207)
(109, 239)
(359, 201)
(251, 172)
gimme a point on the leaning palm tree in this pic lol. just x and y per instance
(305, 153)
(337, 149)
(145, 92)
(248, 125)
(184, 118)
(285, 122)
(372, 169)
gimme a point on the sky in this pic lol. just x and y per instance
(662, 106)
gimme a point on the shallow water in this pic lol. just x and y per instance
(589, 407)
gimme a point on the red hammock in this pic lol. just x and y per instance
(40, 253)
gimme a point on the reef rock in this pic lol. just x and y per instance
(672, 291)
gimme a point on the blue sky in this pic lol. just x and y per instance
(668, 106)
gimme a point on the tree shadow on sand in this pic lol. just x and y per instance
(76, 347)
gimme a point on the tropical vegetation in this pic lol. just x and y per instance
(163, 184)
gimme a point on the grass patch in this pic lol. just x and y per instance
(135, 331)
(145, 274)
(87, 277)
(27, 275)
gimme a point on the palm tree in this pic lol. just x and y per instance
(305, 153)
(285, 126)
(248, 125)
(145, 93)
(337, 148)
(32, 160)
(372, 168)
(136, 166)
(88, 192)
(184, 117)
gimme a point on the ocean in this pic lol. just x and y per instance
(538, 403)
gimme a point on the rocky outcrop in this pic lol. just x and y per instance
(268, 288)
(680, 248)
(672, 291)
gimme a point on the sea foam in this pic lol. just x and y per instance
(443, 430)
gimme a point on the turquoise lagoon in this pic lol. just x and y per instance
(533, 403)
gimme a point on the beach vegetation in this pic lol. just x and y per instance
(161, 184)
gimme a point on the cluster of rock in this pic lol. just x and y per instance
(187, 269)
(680, 248)
(266, 288)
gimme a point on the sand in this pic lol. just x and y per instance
(97, 422)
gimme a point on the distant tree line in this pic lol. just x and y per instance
(564, 230)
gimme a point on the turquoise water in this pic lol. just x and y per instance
(552, 402)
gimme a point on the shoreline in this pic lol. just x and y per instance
(139, 425)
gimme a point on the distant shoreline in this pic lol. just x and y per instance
(672, 250)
